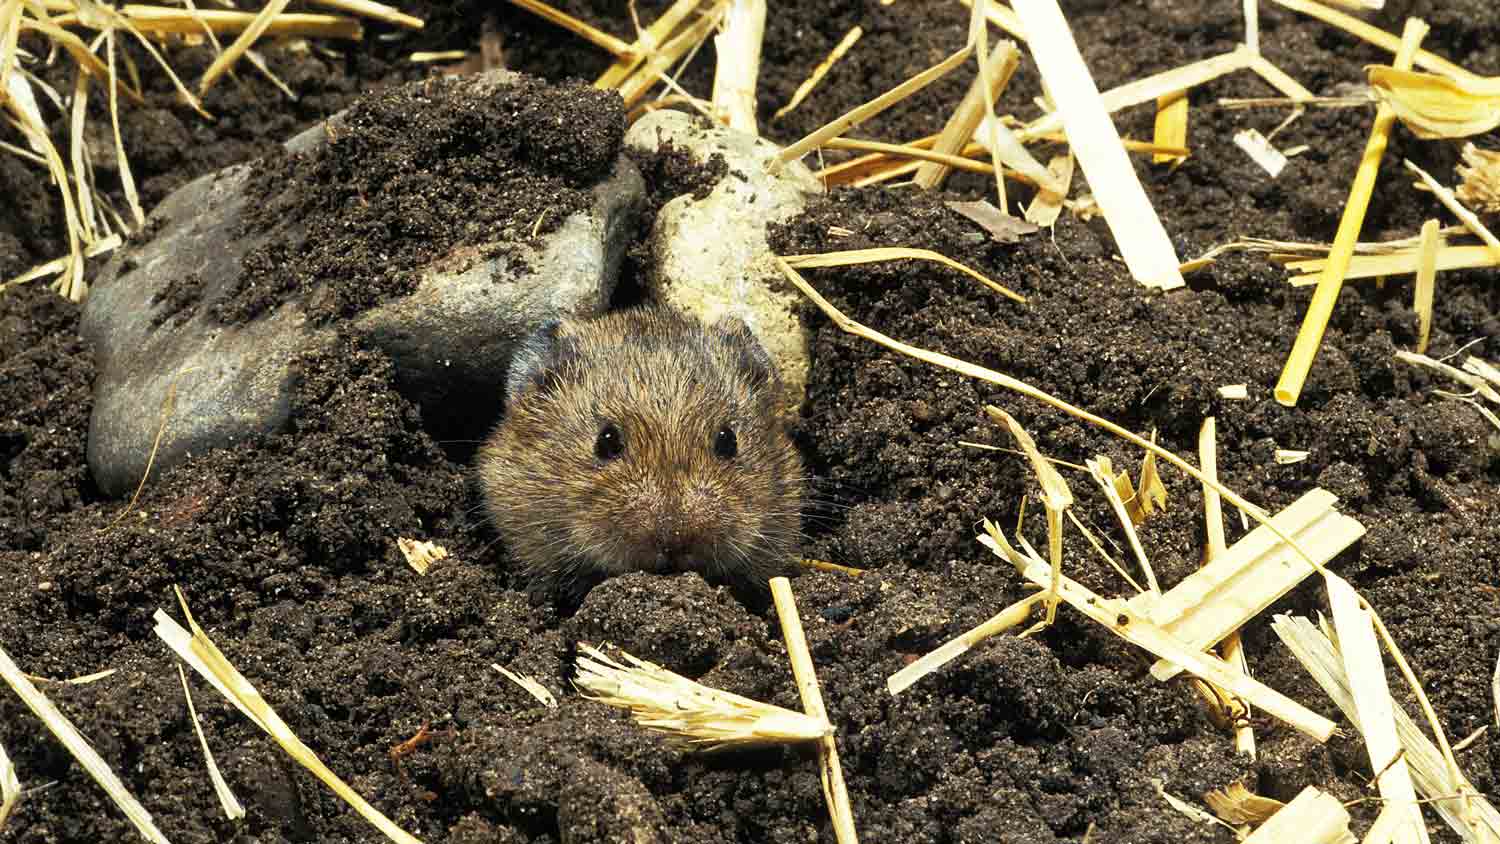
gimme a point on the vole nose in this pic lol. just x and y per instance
(677, 545)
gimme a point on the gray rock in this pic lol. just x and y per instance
(711, 257)
(203, 384)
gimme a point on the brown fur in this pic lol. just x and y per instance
(668, 502)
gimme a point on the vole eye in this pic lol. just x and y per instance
(611, 442)
(726, 445)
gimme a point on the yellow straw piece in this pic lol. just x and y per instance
(1310, 337)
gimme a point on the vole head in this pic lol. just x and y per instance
(644, 441)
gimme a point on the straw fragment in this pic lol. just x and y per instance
(373, 10)
(1056, 499)
(1427, 253)
(1315, 322)
(598, 37)
(231, 804)
(647, 43)
(1235, 392)
(864, 112)
(1374, 708)
(420, 554)
(1464, 215)
(1171, 126)
(1236, 804)
(1012, 616)
(1255, 145)
(1447, 790)
(737, 48)
(42, 707)
(1475, 381)
(1213, 529)
(197, 650)
(1103, 473)
(1403, 262)
(1137, 230)
(830, 771)
(1434, 106)
(1313, 817)
(529, 684)
(1479, 177)
(162, 20)
(1249, 576)
(893, 253)
(845, 45)
(976, 103)
(1047, 205)
(1124, 621)
(10, 788)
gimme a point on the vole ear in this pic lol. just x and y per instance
(537, 360)
(752, 356)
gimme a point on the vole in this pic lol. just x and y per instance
(643, 440)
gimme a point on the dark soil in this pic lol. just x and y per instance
(285, 546)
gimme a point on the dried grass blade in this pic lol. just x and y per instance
(231, 804)
(646, 43)
(1056, 498)
(1001, 16)
(657, 63)
(888, 152)
(528, 684)
(63, 264)
(1315, 322)
(159, 20)
(1470, 220)
(894, 253)
(1100, 469)
(78, 149)
(1280, 80)
(127, 178)
(864, 112)
(197, 650)
(592, 34)
(58, 723)
(1473, 381)
(1137, 230)
(1404, 262)
(77, 50)
(225, 60)
(847, 43)
(71, 284)
(375, 11)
